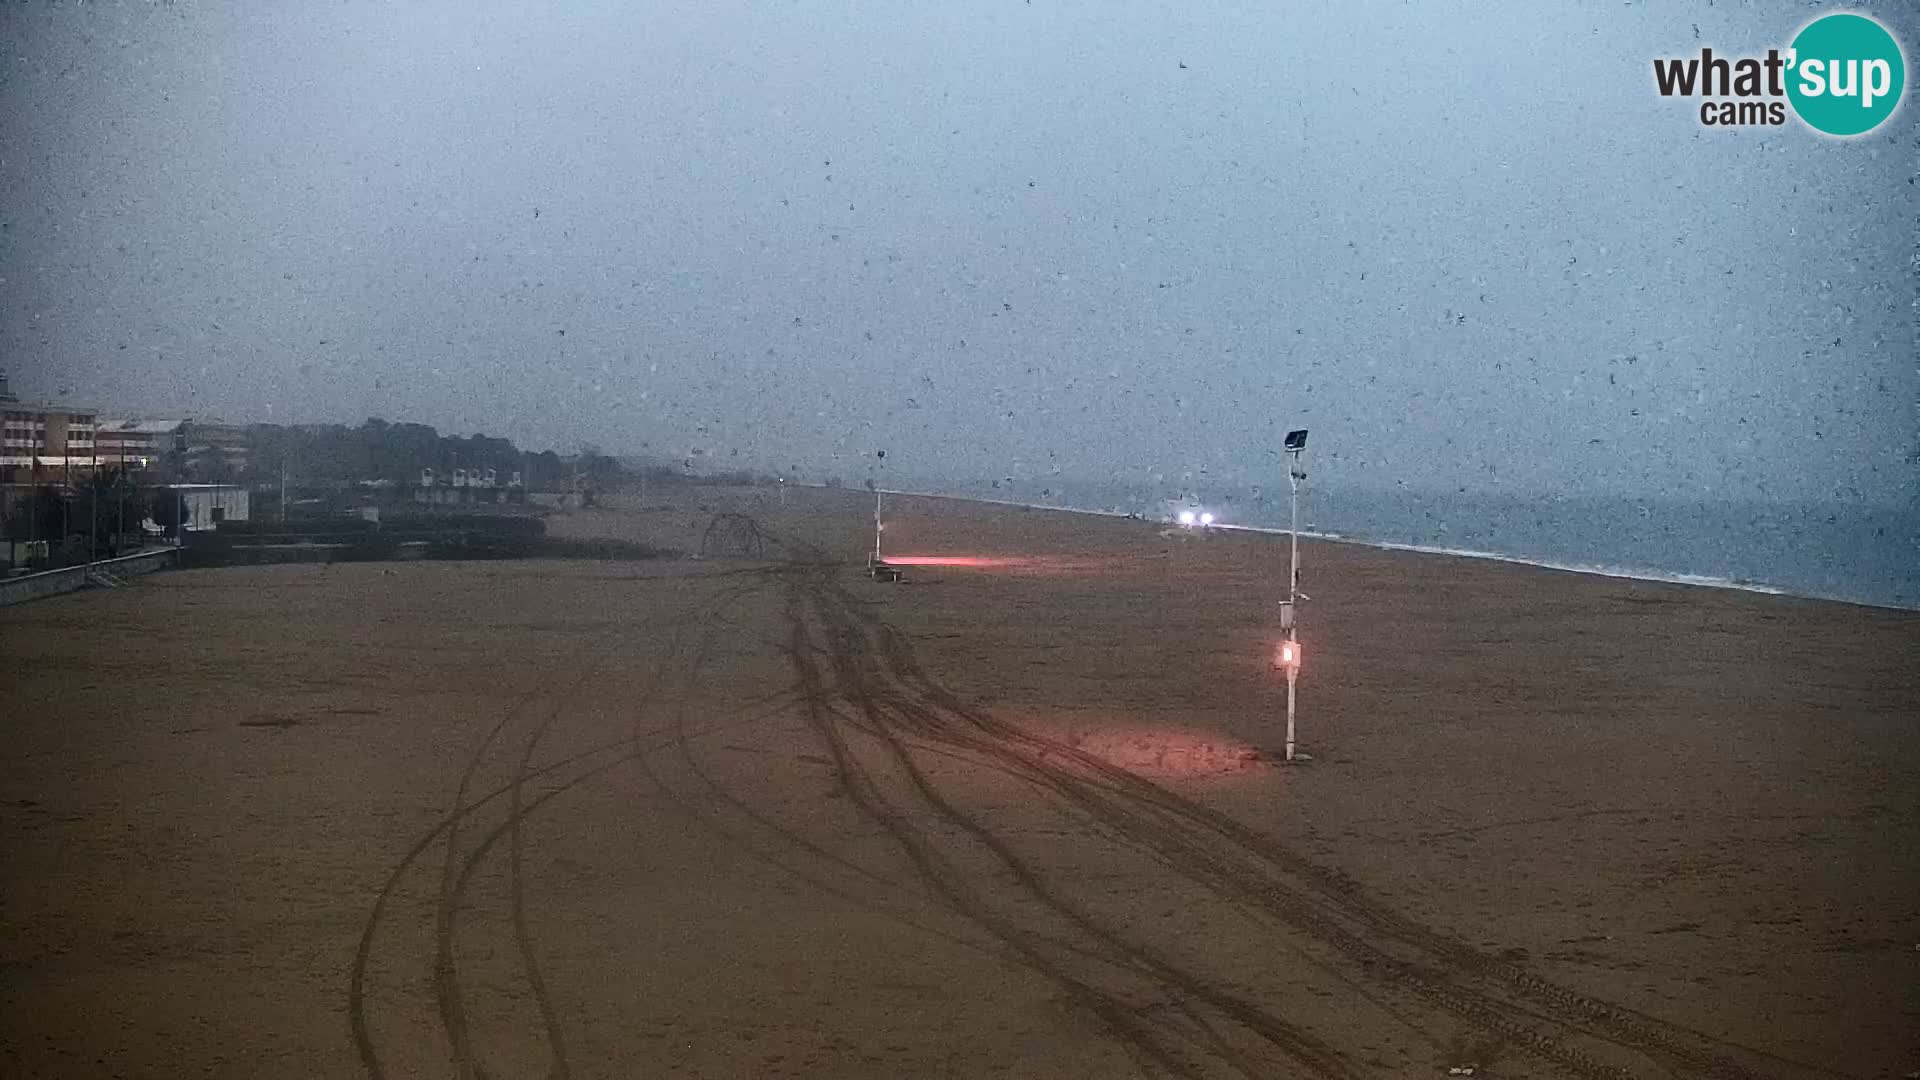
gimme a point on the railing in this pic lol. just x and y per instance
(72, 578)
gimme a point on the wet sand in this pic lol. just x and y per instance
(752, 815)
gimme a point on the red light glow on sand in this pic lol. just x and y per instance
(1028, 564)
(969, 562)
(1163, 753)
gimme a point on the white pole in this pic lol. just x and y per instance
(1293, 595)
(93, 500)
(1293, 577)
(1292, 675)
(873, 481)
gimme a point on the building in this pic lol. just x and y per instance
(216, 451)
(43, 443)
(138, 445)
(205, 506)
(465, 487)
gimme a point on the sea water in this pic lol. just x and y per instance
(1863, 554)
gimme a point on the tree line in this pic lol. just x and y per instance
(337, 455)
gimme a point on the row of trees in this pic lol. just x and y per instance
(96, 512)
(85, 513)
(318, 455)
(338, 455)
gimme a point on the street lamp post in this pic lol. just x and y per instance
(882, 456)
(180, 503)
(877, 567)
(1290, 649)
(93, 502)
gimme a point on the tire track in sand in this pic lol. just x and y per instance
(445, 980)
(1420, 970)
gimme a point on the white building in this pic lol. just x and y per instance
(137, 444)
(205, 506)
(43, 443)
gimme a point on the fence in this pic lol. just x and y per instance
(54, 582)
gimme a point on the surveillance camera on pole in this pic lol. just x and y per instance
(1288, 657)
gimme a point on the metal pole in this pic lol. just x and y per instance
(876, 523)
(283, 485)
(1293, 531)
(1293, 593)
(93, 501)
(1293, 597)
(1292, 675)
(180, 505)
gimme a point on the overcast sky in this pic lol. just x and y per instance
(1466, 243)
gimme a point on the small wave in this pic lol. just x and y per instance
(1633, 573)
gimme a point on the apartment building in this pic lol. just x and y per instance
(43, 440)
(138, 445)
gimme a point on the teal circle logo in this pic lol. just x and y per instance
(1845, 74)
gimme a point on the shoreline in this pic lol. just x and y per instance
(1628, 573)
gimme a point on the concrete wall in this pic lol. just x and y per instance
(55, 582)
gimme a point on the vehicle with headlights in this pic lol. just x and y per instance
(1189, 514)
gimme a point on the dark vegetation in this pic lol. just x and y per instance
(379, 452)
